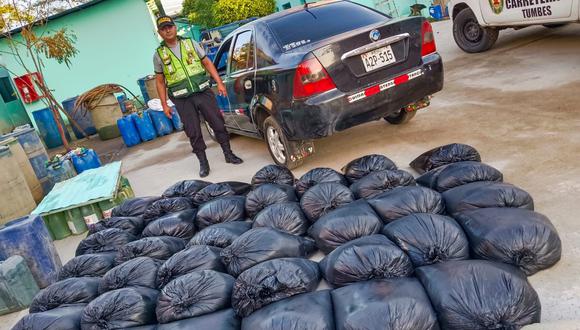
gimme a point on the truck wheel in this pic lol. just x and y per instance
(401, 117)
(280, 148)
(470, 36)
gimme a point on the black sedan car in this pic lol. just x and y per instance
(307, 72)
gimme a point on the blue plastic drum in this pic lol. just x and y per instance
(86, 161)
(82, 117)
(163, 125)
(128, 131)
(144, 126)
(60, 171)
(29, 238)
(48, 128)
(176, 120)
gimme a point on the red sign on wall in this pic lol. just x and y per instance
(27, 86)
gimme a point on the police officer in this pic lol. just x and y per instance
(180, 67)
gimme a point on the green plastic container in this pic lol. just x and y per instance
(106, 207)
(58, 225)
(17, 285)
(76, 221)
(91, 214)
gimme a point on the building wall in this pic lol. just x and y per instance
(116, 40)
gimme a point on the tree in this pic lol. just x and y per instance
(228, 11)
(199, 12)
(34, 45)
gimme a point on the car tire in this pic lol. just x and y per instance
(210, 131)
(401, 117)
(470, 36)
(279, 146)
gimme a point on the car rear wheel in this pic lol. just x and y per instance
(470, 36)
(279, 146)
(210, 130)
(401, 117)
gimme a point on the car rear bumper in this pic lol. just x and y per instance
(333, 111)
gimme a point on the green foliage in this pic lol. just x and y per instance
(199, 12)
(228, 11)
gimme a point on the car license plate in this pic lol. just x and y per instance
(378, 58)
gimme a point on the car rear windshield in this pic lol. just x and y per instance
(318, 23)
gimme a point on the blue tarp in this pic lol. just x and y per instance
(86, 188)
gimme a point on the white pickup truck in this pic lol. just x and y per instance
(476, 23)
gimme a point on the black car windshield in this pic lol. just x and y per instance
(318, 23)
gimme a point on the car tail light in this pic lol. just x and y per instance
(428, 46)
(311, 79)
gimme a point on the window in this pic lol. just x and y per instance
(243, 53)
(221, 58)
(6, 90)
(318, 23)
(287, 5)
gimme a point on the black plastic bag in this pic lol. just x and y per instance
(121, 309)
(185, 188)
(220, 210)
(480, 195)
(365, 165)
(261, 244)
(364, 259)
(133, 207)
(271, 281)
(220, 235)
(80, 290)
(88, 265)
(457, 174)
(132, 225)
(178, 224)
(140, 271)
(194, 258)
(520, 237)
(480, 295)
(63, 318)
(161, 248)
(167, 206)
(429, 238)
(268, 194)
(316, 176)
(287, 217)
(323, 198)
(273, 174)
(108, 240)
(223, 320)
(378, 182)
(345, 224)
(397, 304)
(212, 192)
(402, 201)
(447, 154)
(194, 294)
(240, 188)
(312, 311)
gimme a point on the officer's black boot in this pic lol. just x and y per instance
(231, 158)
(203, 164)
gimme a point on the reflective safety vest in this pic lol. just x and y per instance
(184, 76)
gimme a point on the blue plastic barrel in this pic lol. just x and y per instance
(121, 99)
(48, 128)
(60, 171)
(144, 126)
(436, 12)
(143, 88)
(128, 131)
(28, 237)
(82, 117)
(85, 161)
(176, 120)
(163, 125)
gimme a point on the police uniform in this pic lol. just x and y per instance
(188, 88)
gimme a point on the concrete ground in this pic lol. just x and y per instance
(518, 104)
